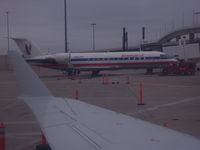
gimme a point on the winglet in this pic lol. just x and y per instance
(29, 82)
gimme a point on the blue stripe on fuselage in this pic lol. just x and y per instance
(116, 58)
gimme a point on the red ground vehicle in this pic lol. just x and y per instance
(180, 68)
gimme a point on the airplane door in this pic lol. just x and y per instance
(68, 61)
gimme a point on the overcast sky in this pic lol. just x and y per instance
(43, 21)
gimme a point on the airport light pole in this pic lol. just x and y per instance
(183, 19)
(8, 34)
(195, 17)
(93, 29)
(65, 9)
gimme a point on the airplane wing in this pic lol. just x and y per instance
(75, 125)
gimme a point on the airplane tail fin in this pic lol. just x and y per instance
(29, 82)
(28, 49)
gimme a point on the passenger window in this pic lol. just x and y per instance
(164, 56)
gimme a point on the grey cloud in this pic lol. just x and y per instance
(42, 20)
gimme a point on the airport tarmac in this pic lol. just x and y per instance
(171, 99)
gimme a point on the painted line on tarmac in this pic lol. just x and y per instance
(164, 105)
(170, 85)
(166, 85)
(19, 122)
(8, 82)
(24, 134)
(9, 105)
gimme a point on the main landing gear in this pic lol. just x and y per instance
(149, 71)
(73, 72)
(95, 73)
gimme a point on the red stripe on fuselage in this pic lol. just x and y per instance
(106, 64)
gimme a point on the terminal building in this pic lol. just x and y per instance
(182, 43)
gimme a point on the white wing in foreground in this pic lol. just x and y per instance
(74, 125)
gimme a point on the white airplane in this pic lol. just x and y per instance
(75, 125)
(95, 62)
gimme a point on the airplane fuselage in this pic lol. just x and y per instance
(103, 61)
